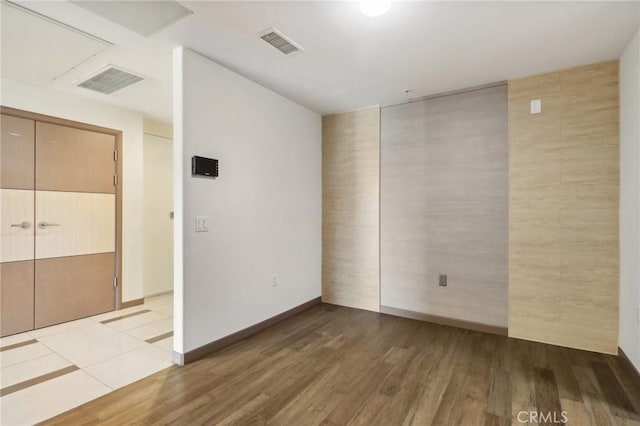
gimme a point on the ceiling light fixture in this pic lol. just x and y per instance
(375, 7)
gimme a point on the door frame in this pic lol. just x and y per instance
(118, 136)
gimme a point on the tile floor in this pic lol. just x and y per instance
(51, 370)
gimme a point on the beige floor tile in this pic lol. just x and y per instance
(153, 329)
(165, 344)
(48, 331)
(50, 398)
(114, 314)
(110, 355)
(162, 304)
(16, 338)
(136, 321)
(18, 373)
(91, 344)
(23, 354)
(131, 366)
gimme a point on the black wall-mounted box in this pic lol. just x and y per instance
(201, 166)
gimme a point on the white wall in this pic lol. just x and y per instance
(59, 104)
(158, 204)
(630, 201)
(264, 210)
(158, 128)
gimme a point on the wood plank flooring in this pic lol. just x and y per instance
(333, 365)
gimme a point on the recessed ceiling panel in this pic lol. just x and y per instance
(36, 49)
(142, 17)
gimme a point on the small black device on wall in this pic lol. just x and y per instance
(201, 166)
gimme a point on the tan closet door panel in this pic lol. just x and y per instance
(16, 225)
(79, 223)
(17, 153)
(16, 297)
(76, 160)
(73, 287)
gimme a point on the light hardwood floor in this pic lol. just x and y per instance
(335, 366)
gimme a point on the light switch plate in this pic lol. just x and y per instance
(202, 223)
(535, 106)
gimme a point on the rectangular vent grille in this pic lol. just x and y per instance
(110, 80)
(280, 42)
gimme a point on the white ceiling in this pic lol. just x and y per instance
(42, 50)
(130, 51)
(351, 60)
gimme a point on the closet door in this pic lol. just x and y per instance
(16, 225)
(444, 207)
(75, 215)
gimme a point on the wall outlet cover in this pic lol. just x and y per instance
(442, 280)
(535, 106)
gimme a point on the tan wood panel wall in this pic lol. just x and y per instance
(350, 208)
(563, 195)
(444, 206)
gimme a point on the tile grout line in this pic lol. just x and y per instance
(37, 357)
(114, 356)
(96, 378)
(121, 353)
(55, 352)
(32, 359)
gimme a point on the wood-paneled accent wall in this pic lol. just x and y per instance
(444, 206)
(350, 209)
(563, 196)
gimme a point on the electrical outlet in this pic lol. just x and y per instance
(442, 280)
(274, 280)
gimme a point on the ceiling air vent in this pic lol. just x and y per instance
(280, 41)
(109, 79)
